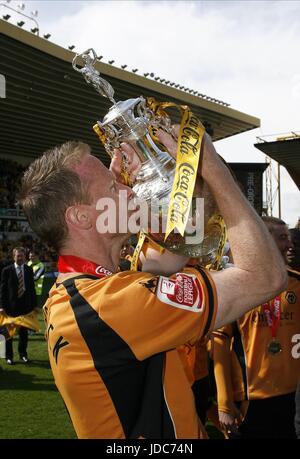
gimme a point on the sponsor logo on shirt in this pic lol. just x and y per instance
(184, 292)
(101, 270)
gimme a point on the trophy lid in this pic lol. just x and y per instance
(120, 109)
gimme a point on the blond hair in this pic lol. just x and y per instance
(49, 186)
(18, 249)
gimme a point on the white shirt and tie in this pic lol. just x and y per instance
(20, 275)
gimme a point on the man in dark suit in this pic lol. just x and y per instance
(17, 297)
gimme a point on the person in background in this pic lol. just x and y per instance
(297, 413)
(195, 362)
(17, 297)
(268, 341)
(126, 256)
(229, 371)
(230, 377)
(293, 254)
(3, 261)
(38, 268)
(293, 257)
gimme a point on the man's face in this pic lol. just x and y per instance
(127, 249)
(19, 257)
(104, 192)
(282, 239)
(293, 254)
(32, 257)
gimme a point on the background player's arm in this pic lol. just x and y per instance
(259, 272)
(229, 415)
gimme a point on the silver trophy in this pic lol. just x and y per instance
(134, 121)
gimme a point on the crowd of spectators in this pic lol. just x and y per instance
(10, 177)
(46, 254)
(13, 226)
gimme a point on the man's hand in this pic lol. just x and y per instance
(229, 422)
(170, 141)
(132, 162)
(128, 156)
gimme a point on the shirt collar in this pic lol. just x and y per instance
(17, 267)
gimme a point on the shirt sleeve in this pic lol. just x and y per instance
(154, 314)
(221, 351)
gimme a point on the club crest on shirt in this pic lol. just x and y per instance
(184, 292)
(150, 284)
(291, 297)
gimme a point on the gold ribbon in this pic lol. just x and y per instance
(217, 220)
(137, 250)
(29, 320)
(188, 154)
(100, 133)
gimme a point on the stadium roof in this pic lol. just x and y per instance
(47, 102)
(286, 151)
